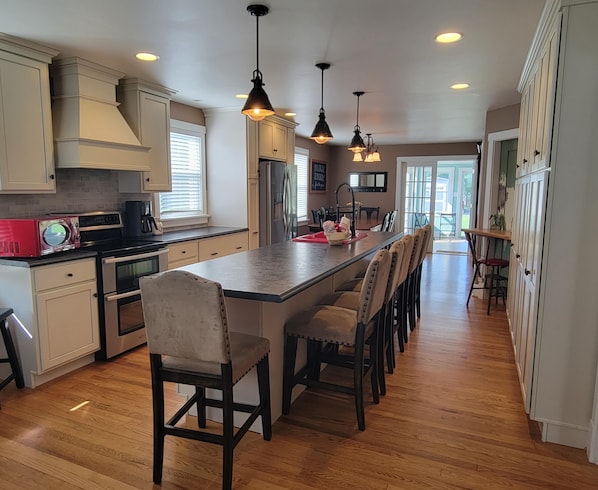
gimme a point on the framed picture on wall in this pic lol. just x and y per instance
(317, 176)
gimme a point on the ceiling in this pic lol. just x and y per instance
(385, 48)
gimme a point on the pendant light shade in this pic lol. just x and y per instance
(357, 143)
(257, 106)
(321, 133)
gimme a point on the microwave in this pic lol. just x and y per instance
(37, 237)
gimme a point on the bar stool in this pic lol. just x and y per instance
(16, 373)
(327, 329)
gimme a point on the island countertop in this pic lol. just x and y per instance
(278, 272)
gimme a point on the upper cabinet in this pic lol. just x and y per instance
(273, 139)
(146, 107)
(26, 145)
(537, 108)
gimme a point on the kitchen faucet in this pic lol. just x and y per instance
(352, 203)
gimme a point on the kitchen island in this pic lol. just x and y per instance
(266, 286)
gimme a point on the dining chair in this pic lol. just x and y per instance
(190, 343)
(327, 329)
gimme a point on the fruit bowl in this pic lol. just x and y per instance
(336, 237)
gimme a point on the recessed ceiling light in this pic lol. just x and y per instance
(147, 56)
(459, 86)
(241, 96)
(448, 37)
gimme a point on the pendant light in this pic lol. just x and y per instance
(357, 144)
(257, 106)
(321, 133)
(371, 152)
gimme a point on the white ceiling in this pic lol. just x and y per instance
(386, 48)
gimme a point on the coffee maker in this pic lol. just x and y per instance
(138, 218)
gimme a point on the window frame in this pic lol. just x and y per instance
(304, 152)
(191, 129)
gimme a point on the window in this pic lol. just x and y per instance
(302, 164)
(186, 203)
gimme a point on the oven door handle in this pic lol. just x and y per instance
(128, 258)
(116, 297)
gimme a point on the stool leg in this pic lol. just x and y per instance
(12, 355)
(263, 378)
(290, 352)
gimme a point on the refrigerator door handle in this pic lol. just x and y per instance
(285, 203)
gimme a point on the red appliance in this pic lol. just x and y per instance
(36, 237)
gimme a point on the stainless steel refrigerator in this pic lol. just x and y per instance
(278, 202)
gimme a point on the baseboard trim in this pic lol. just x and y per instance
(564, 434)
(593, 443)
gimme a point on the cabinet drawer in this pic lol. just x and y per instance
(210, 248)
(183, 252)
(64, 274)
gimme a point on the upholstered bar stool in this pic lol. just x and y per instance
(12, 359)
(423, 251)
(189, 343)
(329, 328)
(409, 310)
(350, 299)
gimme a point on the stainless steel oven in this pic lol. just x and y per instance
(123, 314)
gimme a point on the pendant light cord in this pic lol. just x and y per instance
(322, 92)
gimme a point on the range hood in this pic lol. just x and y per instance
(89, 130)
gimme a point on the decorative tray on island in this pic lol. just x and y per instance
(320, 237)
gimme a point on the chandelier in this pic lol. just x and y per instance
(370, 154)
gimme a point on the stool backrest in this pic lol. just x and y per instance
(373, 290)
(185, 316)
(417, 243)
(427, 234)
(408, 243)
(397, 251)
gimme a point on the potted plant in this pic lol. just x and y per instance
(497, 221)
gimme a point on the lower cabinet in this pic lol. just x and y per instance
(58, 306)
(219, 246)
(183, 253)
(192, 251)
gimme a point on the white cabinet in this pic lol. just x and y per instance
(219, 246)
(192, 251)
(26, 142)
(146, 107)
(58, 305)
(67, 312)
(253, 212)
(272, 140)
(183, 253)
(537, 108)
(552, 292)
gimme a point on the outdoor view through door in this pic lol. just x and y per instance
(438, 191)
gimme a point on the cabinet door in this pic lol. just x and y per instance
(26, 142)
(155, 132)
(184, 253)
(253, 213)
(272, 140)
(211, 248)
(68, 323)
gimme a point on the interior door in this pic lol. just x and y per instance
(419, 185)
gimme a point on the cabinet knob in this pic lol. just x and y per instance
(95, 295)
(147, 179)
(70, 274)
(214, 253)
(239, 248)
(536, 152)
(525, 160)
(183, 251)
(527, 272)
(255, 232)
(52, 177)
(518, 256)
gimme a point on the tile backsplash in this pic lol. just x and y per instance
(77, 191)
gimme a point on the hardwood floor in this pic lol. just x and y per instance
(452, 418)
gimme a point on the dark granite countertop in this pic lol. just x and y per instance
(48, 259)
(194, 234)
(280, 271)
